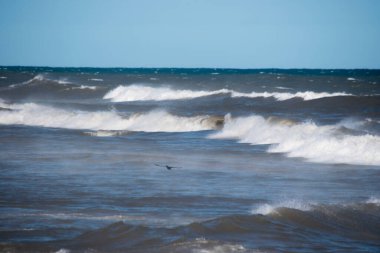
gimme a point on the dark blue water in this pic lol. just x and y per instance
(268, 160)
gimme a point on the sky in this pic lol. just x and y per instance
(191, 33)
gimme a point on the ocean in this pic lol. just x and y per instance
(189, 160)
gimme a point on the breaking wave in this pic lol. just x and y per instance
(373, 200)
(144, 93)
(41, 78)
(266, 208)
(107, 133)
(323, 144)
(83, 87)
(281, 96)
(33, 114)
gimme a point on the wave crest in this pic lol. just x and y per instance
(144, 93)
(324, 144)
(154, 121)
(281, 96)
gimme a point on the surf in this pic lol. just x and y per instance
(315, 143)
(138, 92)
(33, 114)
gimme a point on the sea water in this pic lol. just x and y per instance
(265, 160)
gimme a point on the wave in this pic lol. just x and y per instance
(83, 87)
(266, 208)
(323, 144)
(281, 230)
(63, 251)
(41, 78)
(281, 96)
(283, 88)
(96, 79)
(373, 200)
(107, 133)
(38, 77)
(336, 227)
(144, 93)
(33, 114)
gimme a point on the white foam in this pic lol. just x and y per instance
(323, 144)
(225, 248)
(41, 77)
(306, 95)
(38, 77)
(63, 251)
(266, 209)
(155, 121)
(96, 79)
(61, 81)
(373, 200)
(283, 88)
(3, 77)
(83, 87)
(106, 133)
(351, 79)
(201, 245)
(143, 93)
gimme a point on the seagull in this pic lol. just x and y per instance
(167, 166)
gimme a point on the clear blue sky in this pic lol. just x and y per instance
(191, 33)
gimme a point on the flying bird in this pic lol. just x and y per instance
(167, 166)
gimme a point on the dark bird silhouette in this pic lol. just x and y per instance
(167, 166)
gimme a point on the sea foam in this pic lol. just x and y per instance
(83, 87)
(41, 78)
(373, 200)
(144, 93)
(33, 114)
(266, 209)
(323, 144)
(280, 96)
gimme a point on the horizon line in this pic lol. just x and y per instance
(225, 68)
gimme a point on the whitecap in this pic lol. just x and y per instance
(322, 144)
(33, 114)
(266, 208)
(306, 95)
(96, 79)
(201, 245)
(63, 251)
(373, 200)
(106, 133)
(144, 93)
(83, 87)
(283, 88)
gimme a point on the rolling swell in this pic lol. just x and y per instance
(333, 227)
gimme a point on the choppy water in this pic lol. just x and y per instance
(270, 160)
